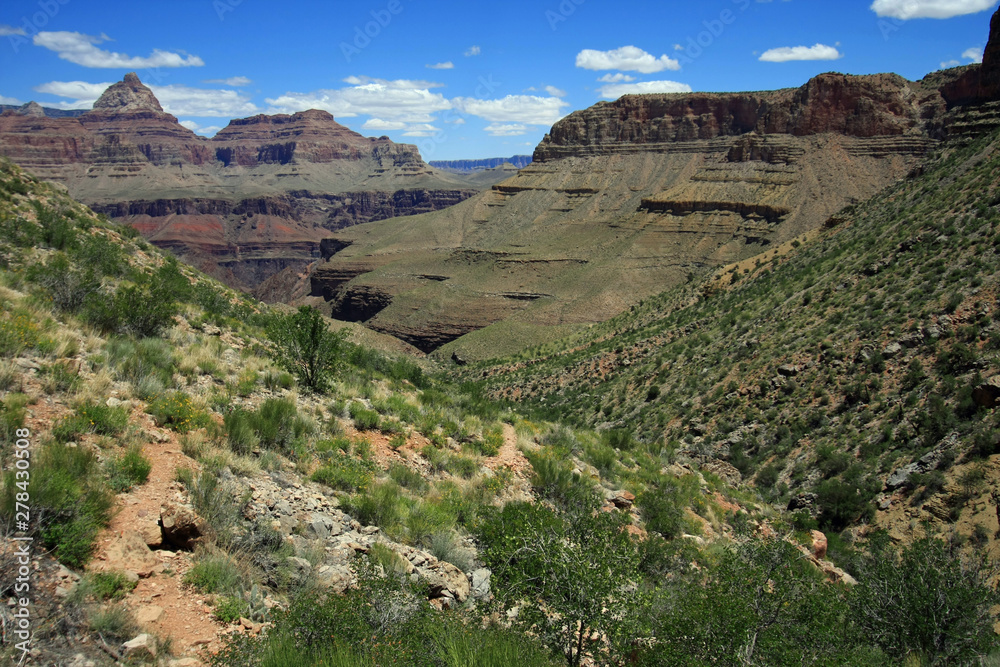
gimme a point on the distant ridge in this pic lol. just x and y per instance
(31, 109)
(465, 166)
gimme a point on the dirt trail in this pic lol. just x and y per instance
(186, 617)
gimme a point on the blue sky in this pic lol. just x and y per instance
(460, 79)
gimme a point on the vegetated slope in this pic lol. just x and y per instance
(623, 200)
(824, 371)
(249, 203)
(215, 503)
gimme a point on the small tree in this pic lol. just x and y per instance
(305, 346)
(574, 579)
(930, 601)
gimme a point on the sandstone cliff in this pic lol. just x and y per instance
(253, 201)
(628, 198)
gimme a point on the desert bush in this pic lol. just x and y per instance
(129, 469)
(216, 572)
(143, 309)
(91, 418)
(406, 478)
(276, 425)
(342, 472)
(70, 501)
(109, 585)
(364, 419)
(114, 622)
(178, 412)
(380, 505)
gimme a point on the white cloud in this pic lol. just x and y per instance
(974, 54)
(455, 121)
(82, 50)
(509, 130)
(9, 100)
(929, 9)
(83, 93)
(945, 64)
(444, 65)
(6, 30)
(788, 53)
(555, 92)
(187, 101)
(236, 81)
(530, 109)
(379, 124)
(614, 91)
(400, 100)
(421, 130)
(628, 58)
(472, 51)
(207, 131)
(616, 78)
(175, 99)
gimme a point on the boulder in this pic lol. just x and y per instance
(149, 614)
(481, 583)
(819, 544)
(445, 580)
(129, 552)
(181, 526)
(140, 648)
(788, 370)
(804, 501)
(299, 569)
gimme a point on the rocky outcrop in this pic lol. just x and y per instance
(852, 106)
(978, 84)
(518, 161)
(245, 205)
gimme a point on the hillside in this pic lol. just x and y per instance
(624, 200)
(247, 205)
(201, 494)
(846, 375)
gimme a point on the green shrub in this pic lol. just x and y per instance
(67, 286)
(113, 622)
(111, 585)
(345, 473)
(229, 609)
(661, 510)
(406, 478)
(276, 424)
(141, 310)
(462, 466)
(216, 572)
(70, 501)
(18, 333)
(91, 418)
(129, 469)
(13, 411)
(59, 377)
(380, 505)
(177, 412)
(364, 419)
(219, 503)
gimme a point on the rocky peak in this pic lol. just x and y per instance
(33, 109)
(129, 94)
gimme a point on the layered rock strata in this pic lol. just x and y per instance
(252, 202)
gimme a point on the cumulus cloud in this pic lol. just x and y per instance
(445, 65)
(788, 53)
(528, 109)
(614, 91)
(616, 78)
(929, 9)
(400, 100)
(82, 93)
(208, 130)
(627, 58)
(380, 124)
(975, 54)
(6, 30)
(555, 92)
(421, 130)
(82, 50)
(473, 51)
(506, 130)
(945, 64)
(175, 99)
(9, 100)
(235, 81)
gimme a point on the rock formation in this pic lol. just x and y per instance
(249, 204)
(625, 199)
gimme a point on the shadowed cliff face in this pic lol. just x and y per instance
(628, 198)
(252, 202)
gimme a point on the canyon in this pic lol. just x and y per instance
(248, 206)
